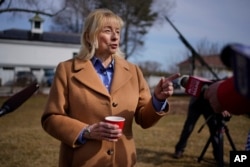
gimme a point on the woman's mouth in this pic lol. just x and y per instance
(113, 46)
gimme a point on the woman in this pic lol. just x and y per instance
(96, 84)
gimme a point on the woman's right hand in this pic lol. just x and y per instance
(104, 131)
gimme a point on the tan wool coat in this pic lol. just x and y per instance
(78, 98)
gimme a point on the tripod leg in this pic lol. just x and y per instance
(204, 149)
(220, 153)
(229, 138)
(221, 149)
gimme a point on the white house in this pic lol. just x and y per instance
(34, 50)
(213, 61)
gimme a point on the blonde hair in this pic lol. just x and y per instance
(92, 27)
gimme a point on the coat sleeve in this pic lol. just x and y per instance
(146, 115)
(55, 120)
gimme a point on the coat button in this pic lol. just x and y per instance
(110, 152)
(114, 104)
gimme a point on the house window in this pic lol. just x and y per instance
(75, 54)
(35, 69)
(37, 24)
(8, 68)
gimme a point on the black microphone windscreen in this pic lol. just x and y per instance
(226, 56)
(19, 98)
(183, 81)
(230, 51)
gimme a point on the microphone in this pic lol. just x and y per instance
(194, 85)
(18, 99)
(237, 57)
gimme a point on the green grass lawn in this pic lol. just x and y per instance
(24, 143)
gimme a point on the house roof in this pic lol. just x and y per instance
(211, 60)
(37, 18)
(18, 34)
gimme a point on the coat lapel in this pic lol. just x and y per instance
(121, 74)
(86, 74)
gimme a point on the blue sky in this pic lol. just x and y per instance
(217, 21)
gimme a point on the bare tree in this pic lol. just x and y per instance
(47, 8)
(73, 17)
(204, 47)
(162, 8)
(151, 68)
(139, 17)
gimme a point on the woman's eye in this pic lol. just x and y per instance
(107, 30)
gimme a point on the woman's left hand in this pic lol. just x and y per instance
(164, 88)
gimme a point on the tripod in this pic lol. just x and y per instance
(221, 128)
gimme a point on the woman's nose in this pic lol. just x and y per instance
(115, 35)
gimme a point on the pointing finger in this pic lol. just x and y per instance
(173, 77)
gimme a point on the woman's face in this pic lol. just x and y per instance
(108, 40)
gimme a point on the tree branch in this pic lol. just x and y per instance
(1, 2)
(31, 11)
